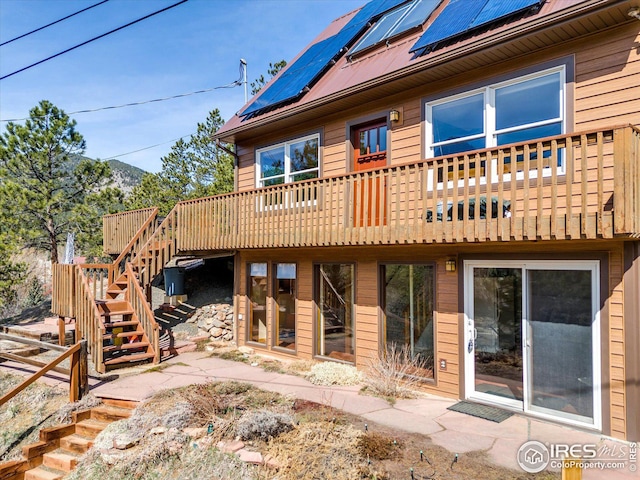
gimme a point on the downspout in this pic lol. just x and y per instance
(235, 162)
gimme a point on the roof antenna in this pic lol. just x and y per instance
(243, 67)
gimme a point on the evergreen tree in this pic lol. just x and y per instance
(194, 168)
(39, 191)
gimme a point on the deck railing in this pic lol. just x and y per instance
(143, 311)
(157, 251)
(141, 237)
(119, 228)
(88, 320)
(582, 185)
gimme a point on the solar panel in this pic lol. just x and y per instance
(497, 9)
(460, 16)
(453, 20)
(316, 59)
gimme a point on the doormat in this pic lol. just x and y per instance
(481, 411)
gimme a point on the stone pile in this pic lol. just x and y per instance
(214, 320)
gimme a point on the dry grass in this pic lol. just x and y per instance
(25, 414)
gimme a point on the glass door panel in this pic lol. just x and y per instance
(561, 320)
(497, 310)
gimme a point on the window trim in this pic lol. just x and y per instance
(490, 132)
(434, 316)
(249, 315)
(317, 311)
(287, 165)
(274, 302)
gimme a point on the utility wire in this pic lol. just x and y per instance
(94, 39)
(133, 104)
(147, 148)
(53, 23)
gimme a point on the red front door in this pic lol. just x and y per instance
(370, 197)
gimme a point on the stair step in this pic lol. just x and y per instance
(75, 443)
(114, 307)
(129, 358)
(60, 461)
(90, 428)
(124, 323)
(125, 346)
(110, 413)
(41, 473)
(133, 333)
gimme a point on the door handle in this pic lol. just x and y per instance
(475, 333)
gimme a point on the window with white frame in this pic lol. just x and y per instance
(521, 109)
(289, 161)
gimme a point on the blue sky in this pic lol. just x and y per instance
(195, 46)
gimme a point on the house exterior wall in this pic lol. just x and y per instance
(605, 92)
(448, 315)
(602, 91)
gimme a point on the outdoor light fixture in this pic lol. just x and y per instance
(450, 265)
(634, 12)
(394, 115)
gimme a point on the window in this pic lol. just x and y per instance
(285, 305)
(523, 109)
(288, 162)
(408, 302)
(397, 21)
(335, 301)
(257, 331)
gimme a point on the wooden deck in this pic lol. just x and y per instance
(586, 186)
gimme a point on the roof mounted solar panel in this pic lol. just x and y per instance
(461, 16)
(453, 20)
(496, 10)
(310, 66)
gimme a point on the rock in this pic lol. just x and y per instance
(246, 456)
(122, 442)
(230, 447)
(157, 430)
(271, 462)
(246, 350)
(174, 447)
(216, 332)
(204, 333)
(228, 336)
(218, 323)
(195, 432)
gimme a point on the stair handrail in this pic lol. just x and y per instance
(89, 323)
(143, 311)
(78, 374)
(134, 245)
(168, 226)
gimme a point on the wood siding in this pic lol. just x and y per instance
(605, 91)
(448, 313)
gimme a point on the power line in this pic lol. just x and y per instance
(94, 39)
(147, 148)
(53, 23)
(235, 83)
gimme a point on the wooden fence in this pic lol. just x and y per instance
(118, 229)
(77, 371)
(88, 321)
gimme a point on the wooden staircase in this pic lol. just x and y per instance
(124, 339)
(59, 448)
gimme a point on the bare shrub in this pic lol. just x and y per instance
(332, 373)
(395, 373)
(263, 424)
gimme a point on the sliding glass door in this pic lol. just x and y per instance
(532, 337)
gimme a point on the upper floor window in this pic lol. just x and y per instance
(518, 110)
(397, 21)
(289, 161)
